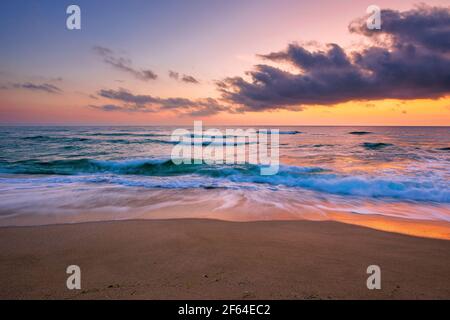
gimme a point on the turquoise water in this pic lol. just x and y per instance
(54, 174)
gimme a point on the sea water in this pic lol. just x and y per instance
(75, 174)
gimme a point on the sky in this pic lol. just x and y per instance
(252, 62)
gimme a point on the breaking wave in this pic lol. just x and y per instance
(311, 178)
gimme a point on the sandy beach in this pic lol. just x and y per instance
(210, 259)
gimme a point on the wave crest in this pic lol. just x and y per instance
(311, 178)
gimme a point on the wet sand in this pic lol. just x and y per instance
(210, 259)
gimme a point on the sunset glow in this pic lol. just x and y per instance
(178, 42)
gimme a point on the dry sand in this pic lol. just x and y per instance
(208, 259)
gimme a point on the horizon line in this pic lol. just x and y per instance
(219, 125)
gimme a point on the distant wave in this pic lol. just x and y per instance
(224, 136)
(375, 145)
(311, 178)
(62, 139)
(286, 132)
(127, 138)
(140, 141)
(119, 134)
(210, 141)
(290, 132)
(215, 136)
(35, 138)
(322, 145)
(67, 140)
(41, 138)
(360, 133)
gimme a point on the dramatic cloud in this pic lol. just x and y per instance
(130, 102)
(184, 78)
(425, 26)
(123, 64)
(44, 87)
(409, 58)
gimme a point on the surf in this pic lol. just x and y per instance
(297, 177)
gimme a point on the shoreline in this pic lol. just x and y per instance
(214, 259)
(431, 229)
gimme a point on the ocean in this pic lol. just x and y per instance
(75, 174)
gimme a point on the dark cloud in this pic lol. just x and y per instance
(123, 64)
(334, 57)
(174, 75)
(44, 87)
(107, 107)
(130, 102)
(425, 26)
(409, 58)
(184, 78)
(189, 79)
(122, 108)
(127, 97)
